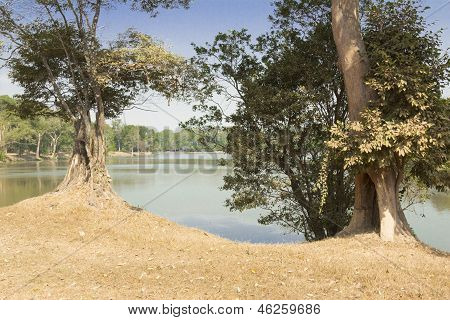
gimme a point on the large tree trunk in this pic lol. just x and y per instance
(87, 166)
(354, 66)
(392, 219)
(377, 205)
(352, 53)
(365, 211)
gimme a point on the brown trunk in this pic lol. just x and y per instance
(38, 147)
(353, 59)
(87, 166)
(392, 219)
(365, 213)
(354, 66)
(377, 204)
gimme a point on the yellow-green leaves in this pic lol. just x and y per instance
(374, 140)
(406, 123)
(137, 57)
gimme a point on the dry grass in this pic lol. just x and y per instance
(56, 247)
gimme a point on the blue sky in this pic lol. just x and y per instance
(179, 28)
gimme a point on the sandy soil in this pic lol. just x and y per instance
(60, 247)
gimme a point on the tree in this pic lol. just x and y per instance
(394, 78)
(117, 129)
(66, 70)
(45, 135)
(39, 127)
(57, 129)
(5, 123)
(130, 138)
(287, 93)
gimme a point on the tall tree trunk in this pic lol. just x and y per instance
(354, 66)
(382, 184)
(87, 166)
(38, 147)
(54, 146)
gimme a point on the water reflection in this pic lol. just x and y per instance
(22, 181)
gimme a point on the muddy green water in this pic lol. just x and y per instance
(185, 188)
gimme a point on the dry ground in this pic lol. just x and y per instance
(56, 246)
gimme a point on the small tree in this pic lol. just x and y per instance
(130, 138)
(40, 127)
(5, 122)
(117, 130)
(57, 129)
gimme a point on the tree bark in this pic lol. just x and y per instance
(392, 219)
(377, 204)
(365, 213)
(87, 166)
(353, 59)
(354, 65)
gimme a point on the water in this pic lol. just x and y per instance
(185, 188)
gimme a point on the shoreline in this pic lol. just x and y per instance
(12, 157)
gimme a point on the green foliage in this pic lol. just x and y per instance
(138, 59)
(374, 141)
(280, 96)
(20, 135)
(407, 125)
(132, 138)
(130, 66)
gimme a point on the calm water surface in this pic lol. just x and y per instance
(185, 188)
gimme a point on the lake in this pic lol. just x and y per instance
(185, 188)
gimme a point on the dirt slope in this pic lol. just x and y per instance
(58, 247)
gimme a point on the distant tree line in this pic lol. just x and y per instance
(46, 137)
(135, 138)
(39, 136)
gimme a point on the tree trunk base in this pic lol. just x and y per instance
(392, 219)
(87, 176)
(87, 167)
(377, 207)
(365, 212)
